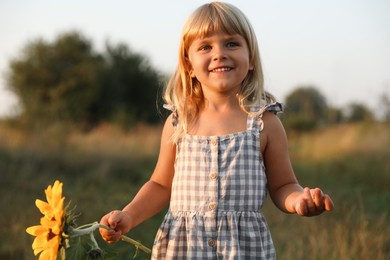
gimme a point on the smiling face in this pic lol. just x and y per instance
(220, 62)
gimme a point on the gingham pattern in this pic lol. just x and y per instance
(217, 193)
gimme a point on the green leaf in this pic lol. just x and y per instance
(76, 251)
(110, 255)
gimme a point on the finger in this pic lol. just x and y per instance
(328, 203)
(104, 221)
(301, 207)
(309, 200)
(109, 220)
(318, 198)
(113, 237)
(113, 219)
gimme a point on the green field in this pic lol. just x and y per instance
(103, 169)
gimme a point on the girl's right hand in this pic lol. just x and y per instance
(312, 202)
(119, 222)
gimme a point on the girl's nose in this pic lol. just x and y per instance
(219, 53)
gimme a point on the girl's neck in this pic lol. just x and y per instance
(221, 103)
(217, 119)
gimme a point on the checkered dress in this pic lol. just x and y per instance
(217, 194)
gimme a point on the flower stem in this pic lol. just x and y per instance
(84, 230)
(90, 228)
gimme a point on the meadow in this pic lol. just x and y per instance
(103, 169)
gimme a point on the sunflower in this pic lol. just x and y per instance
(49, 232)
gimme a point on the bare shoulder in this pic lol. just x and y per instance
(168, 131)
(167, 144)
(273, 131)
(272, 124)
(271, 118)
(169, 125)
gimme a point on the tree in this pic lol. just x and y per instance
(334, 116)
(305, 109)
(56, 81)
(357, 112)
(68, 81)
(129, 88)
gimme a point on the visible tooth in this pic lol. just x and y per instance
(221, 69)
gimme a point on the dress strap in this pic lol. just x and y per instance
(172, 108)
(255, 118)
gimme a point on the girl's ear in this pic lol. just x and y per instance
(251, 67)
(189, 68)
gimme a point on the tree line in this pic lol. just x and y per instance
(68, 81)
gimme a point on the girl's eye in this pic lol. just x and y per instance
(232, 44)
(205, 48)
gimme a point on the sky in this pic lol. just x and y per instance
(341, 47)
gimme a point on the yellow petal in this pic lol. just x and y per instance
(48, 223)
(57, 189)
(51, 223)
(54, 194)
(59, 210)
(44, 208)
(39, 244)
(37, 251)
(50, 249)
(57, 230)
(54, 225)
(45, 255)
(37, 230)
(48, 192)
(53, 246)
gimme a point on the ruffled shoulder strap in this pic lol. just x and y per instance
(172, 108)
(255, 118)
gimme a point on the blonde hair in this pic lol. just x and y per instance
(184, 93)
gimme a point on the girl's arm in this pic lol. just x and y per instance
(283, 186)
(155, 194)
(151, 198)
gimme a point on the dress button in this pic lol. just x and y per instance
(213, 206)
(214, 142)
(211, 243)
(213, 176)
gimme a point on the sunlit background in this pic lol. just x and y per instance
(339, 47)
(103, 156)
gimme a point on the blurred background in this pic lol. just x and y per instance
(80, 89)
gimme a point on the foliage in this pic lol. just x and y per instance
(96, 165)
(56, 81)
(67, 81)
(305, 109)
(108, 165)
(58, 237)
(129, 89)
(357, 112)
(334, 116)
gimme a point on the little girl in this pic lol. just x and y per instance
(222, 148)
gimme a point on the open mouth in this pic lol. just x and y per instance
(222, 69)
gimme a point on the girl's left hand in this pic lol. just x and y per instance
(312, 202)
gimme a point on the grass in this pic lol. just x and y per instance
(103, 170)
(351, 163)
